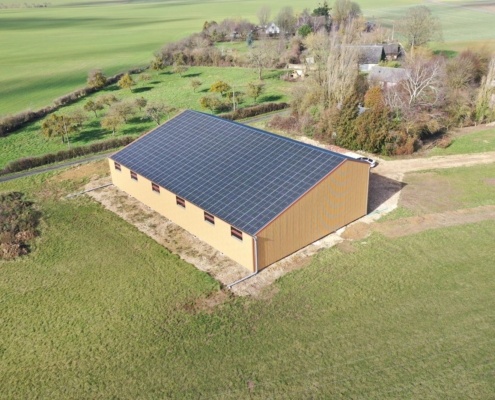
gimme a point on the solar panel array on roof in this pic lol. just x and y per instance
(242, 175)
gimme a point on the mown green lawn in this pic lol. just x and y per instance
(477, 142)
(163, 86)
(47, 52)
(98, 310)
(441, 190)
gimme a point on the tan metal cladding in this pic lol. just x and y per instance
(190, 218)
(340, 198)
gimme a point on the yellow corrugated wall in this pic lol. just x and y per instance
(190, 218)
(340, 198)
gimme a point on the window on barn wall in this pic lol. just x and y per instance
(117, 166)
(235, 233)
(134, 176)
(155, 187)
(180, 201)
(209, 218)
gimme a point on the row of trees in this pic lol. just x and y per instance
(118, 113)
(224, 97)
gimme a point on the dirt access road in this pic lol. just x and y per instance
(395, 168)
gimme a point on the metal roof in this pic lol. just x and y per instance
(387, 74)
(242, 175)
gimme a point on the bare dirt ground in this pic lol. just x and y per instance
(385, 189)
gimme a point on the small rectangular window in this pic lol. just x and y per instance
(209, 218)
(134, 176)
(235, 233)
(180, 201)
(117, 166)
(155, 187)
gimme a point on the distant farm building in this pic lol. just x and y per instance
(370, 56)
(272, 29)
(255, 196)
(386, 76)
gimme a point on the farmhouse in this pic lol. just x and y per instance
(370, 56)
(386, 76)
(255, 196)
(272, 29)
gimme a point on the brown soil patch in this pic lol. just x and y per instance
(432, 193)
(413, 225)
(83, 171)
(490, 181)
(346, 247)
(356, 231)
(208, 304)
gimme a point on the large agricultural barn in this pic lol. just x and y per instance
(255, 196)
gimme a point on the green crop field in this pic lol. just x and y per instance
(99, 310)
(162, 86)
(47, 52)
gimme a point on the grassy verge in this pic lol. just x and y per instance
(163, 86)
(98, 310)
(469, 143)
(443, 190)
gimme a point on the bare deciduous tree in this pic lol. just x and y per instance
(344, 11)
(156, 111)
(419, 26)
(423, 81)
(124, 109)
(485, 104)
(264, 15)
(286, 20)
(262, 55)
(342, 69)
(112, 121)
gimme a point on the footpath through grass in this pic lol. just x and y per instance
(163, 86)
(98, 310)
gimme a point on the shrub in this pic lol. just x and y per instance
(248, 112)
(286, 124)
(19, 221)
(50, 158)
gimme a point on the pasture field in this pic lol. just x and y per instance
(163, 86)
(47, 52)
(476, 142)
(98, 310)
(445, 190)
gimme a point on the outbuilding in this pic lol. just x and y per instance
(255, 196)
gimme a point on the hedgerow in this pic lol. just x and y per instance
(33, 162)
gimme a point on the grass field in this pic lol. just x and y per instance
(445, 190)
(469, 143)
(47, 52)
(163, 86)
(98, 310)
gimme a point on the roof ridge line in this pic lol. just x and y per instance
(266, 133)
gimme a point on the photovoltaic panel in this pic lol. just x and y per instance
(242, 175)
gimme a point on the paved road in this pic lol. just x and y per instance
(54, 167)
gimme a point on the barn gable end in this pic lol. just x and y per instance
(338, 199)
